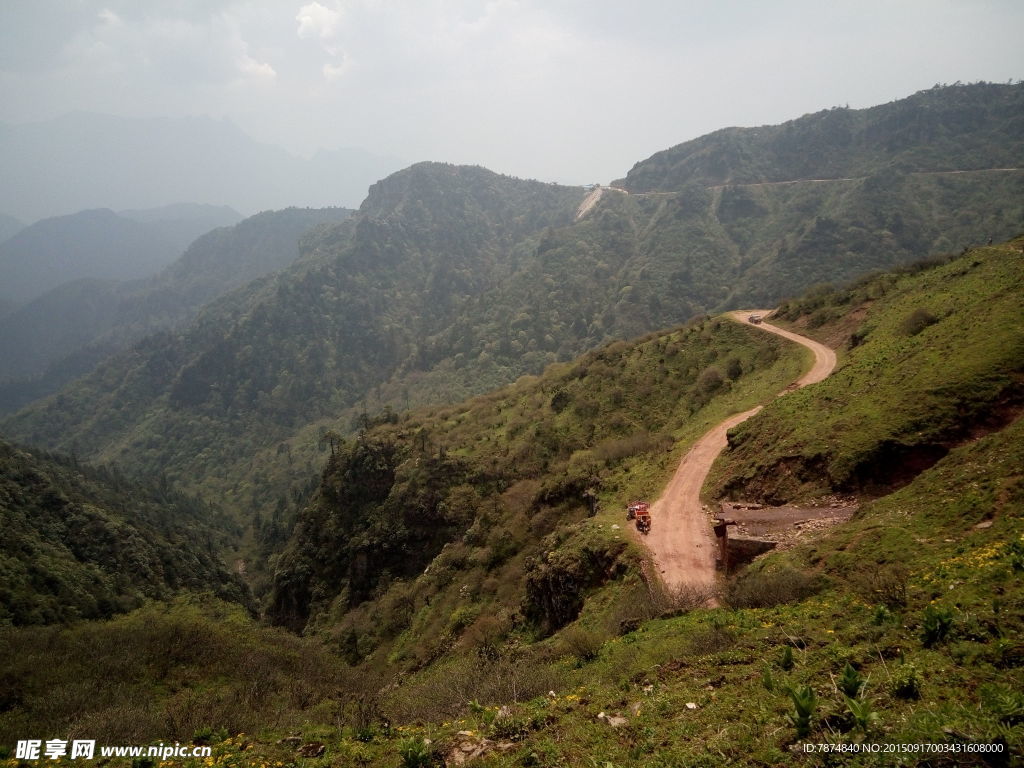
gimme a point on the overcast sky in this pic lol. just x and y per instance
(566, 90)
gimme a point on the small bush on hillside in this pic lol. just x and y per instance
(935, 625)
(857, 338)
(864, 714)
(886, 584)
(917, 321)
(615, 449)
(758, 589)
(850, 682)
(208, 735)
(644, 602)
(560, 401)
(687, 597)
(486, 636)
(804, 704)
(786, 661)
(905, 682)
(822, 316)
(733, 368)
(709, 380)
(584, 644)
(713, 640)
(418, 753)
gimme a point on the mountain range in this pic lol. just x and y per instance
(64, 332)
(101, 244)
(413, 431)
(86, 160)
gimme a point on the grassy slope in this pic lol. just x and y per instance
(726, 662)
(900, 399)
(165, 671)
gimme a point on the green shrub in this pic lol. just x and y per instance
(850, 682)
(917, 321)
(584, 644)
(882, 615)
(416, 753)
(786, 658)
(509, 727)
(760, 589)
(767, 680)
(1016, 554)
(864, 715)
(804, 703)
(1006, 704)
(906, 682)
(935, 625)
(885, 584)
(711, 640)
(208, 735)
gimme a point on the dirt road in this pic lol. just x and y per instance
(681, 540)
(824, 358)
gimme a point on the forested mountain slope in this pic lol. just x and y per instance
(261, 363)
(947, 128)
(100, 244)
(66, 331)
(454, 280)
(85, 543)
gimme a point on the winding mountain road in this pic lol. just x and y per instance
(681, 540)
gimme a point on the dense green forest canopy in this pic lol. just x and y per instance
(86, 543)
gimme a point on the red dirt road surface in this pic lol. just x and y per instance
(681, 540)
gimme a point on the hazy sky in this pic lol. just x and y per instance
(567, 90)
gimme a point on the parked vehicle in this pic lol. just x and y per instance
(641, 512)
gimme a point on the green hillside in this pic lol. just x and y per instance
(946, 128)
(937, 359)
(480, 485)
(84, 543)
(258, 365)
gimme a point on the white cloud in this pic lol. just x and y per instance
(321, 23)
(249, 67)
(178, 52)
(334, 72)
(108, 17)
(316, 20)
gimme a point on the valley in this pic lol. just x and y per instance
(413, 430)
